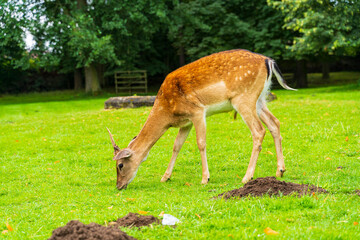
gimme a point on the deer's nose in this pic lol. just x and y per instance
(121, 186)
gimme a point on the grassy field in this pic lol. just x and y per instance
(55, 166)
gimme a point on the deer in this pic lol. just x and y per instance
(230, 80)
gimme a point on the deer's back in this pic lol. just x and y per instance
(210, 80)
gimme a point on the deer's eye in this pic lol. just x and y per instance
(120, 166)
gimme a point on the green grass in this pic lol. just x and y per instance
(55, 166)
(336, 79)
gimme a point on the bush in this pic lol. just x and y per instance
(19, 81)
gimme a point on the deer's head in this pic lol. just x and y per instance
(126, 164)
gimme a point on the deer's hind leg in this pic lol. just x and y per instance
(247, 110)
(273, 124)
(179, 141)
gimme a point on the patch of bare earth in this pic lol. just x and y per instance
(75, 230)
(272, 187)
(135, 220)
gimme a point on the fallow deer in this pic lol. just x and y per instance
(221, 82)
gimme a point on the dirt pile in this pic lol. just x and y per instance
(270, 186)
(135, 220)
(75, 230)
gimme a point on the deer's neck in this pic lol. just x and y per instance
(153, 129)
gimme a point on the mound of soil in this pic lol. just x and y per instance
(75, 230)
(135, 220)
(270, 186)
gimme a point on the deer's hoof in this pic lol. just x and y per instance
(165, 179)
(205, 181)
(280, 172)
(246, 179)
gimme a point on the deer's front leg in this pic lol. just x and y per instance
(200, 128)
(179, 141)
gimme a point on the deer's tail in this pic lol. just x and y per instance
(272, 67)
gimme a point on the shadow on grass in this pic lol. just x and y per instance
(350, 80)
(59, 96)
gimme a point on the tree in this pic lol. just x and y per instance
(201, 27)
(67, 39)
(95, 35)
(136, 28)
(13, 57)
(322, 28)
(12, 20)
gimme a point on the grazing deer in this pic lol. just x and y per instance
(221, 82)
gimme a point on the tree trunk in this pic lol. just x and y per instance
(181, 56)
(300, 75)
(92, 83)
(78, 84)
(81, 4)
(325, 70)
(100, 71)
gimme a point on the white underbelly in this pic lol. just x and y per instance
(218, 108)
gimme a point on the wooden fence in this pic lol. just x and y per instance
(131, 81)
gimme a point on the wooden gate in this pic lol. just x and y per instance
(131, 81)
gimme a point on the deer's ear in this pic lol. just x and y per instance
(116, 150)
(125, 153)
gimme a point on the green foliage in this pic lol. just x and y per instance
(68, 38)
(13, 58)
(323, 27)
(87, 46)
(203, 27)
(18, 71)
(56, 166)
(151, 34)
(116, 34)
(135, 28)
(12, 20)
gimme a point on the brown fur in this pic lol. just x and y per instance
(179, 94)
(237, 77)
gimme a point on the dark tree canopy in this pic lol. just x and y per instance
(90, 38)
(322, 27)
